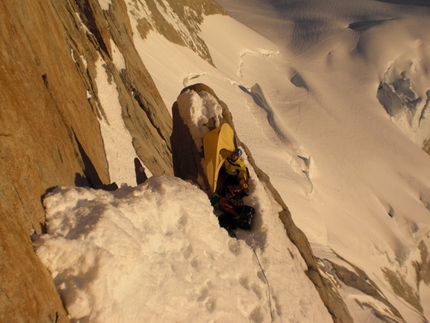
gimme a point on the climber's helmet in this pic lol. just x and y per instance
(236, 154)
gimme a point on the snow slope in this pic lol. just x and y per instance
(305, 102)
(156, 253)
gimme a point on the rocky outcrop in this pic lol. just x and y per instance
(188, 16)
(407, 107)
(186, 158)
(49, 128)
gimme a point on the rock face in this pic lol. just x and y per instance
(49, 128)
(187, 14)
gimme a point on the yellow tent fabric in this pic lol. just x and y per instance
(217, 145)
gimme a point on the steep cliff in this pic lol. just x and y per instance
(50, 131)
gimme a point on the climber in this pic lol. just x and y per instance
(238, 174)
(229, 199)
